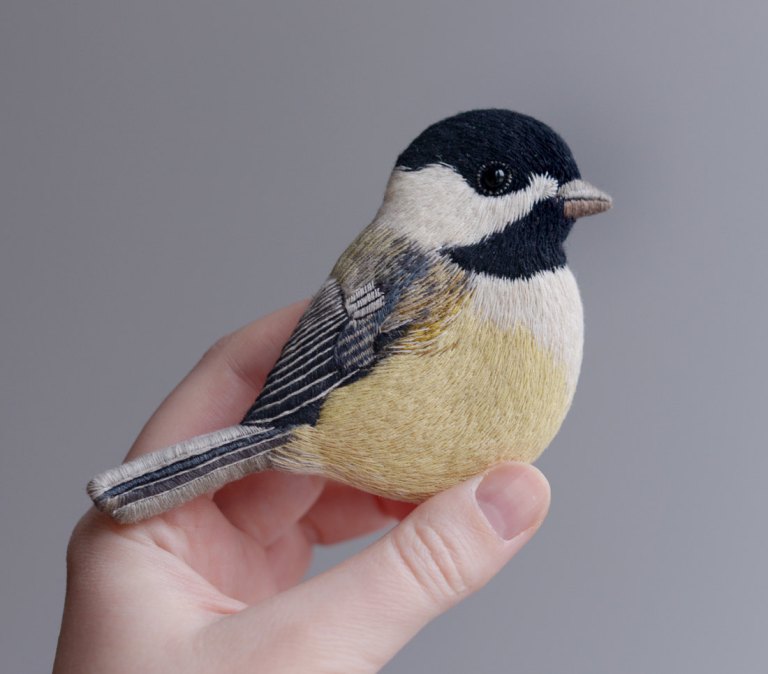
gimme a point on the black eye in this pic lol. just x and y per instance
(494, 178)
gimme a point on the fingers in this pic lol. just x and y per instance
(223, 385)
(342, 513)
(361, 613)
(284, 515)
(264, 505)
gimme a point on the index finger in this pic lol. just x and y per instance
(223, 385)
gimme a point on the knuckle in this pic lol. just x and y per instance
(84, 540)
(224, 354)
(437, 564)
(216, 349)
(77, 543)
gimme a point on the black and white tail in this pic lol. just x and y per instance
(156, 482)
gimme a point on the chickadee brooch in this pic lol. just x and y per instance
(448, 336)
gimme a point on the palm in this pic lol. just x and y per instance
(216, 550)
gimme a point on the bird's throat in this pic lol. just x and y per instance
(520, 250)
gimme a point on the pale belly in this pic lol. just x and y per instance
(495, 385)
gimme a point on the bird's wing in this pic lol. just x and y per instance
(337, 339)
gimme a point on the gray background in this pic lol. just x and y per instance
(172, 169)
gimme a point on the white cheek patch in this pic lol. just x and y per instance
(436, 207)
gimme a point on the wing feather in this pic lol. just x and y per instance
(347, 327)
(333, 341)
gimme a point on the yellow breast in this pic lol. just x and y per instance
(421, 421)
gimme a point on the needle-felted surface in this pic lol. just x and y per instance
(447, 337)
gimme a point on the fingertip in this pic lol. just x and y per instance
(270, 331)
(513, 497)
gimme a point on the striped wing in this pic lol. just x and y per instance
(333, 343)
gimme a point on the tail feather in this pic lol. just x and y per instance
(156, 482)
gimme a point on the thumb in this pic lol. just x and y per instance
(358, 615)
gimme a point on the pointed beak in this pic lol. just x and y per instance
(582, 199)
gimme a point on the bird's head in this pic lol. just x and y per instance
(496, 191)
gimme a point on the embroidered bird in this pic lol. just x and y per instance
(447, 337)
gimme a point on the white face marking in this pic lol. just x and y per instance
(435, 206)
(548, 304)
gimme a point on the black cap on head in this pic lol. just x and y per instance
(469, 141)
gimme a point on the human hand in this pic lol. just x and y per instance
(214, 585)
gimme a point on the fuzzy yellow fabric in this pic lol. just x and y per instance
(424, 421)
